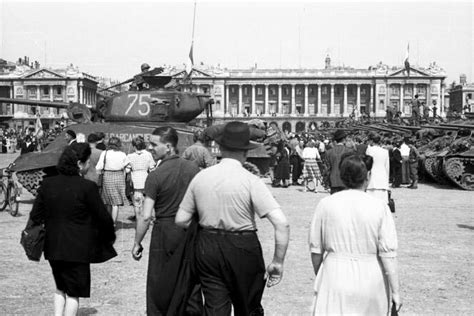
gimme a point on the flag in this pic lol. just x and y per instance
(190, 64)
(407, 62)
(38, 128)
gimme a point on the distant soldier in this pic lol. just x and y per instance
(413, 158)
(435, 109)
(139, 83)
(426, 111)
(415, 111)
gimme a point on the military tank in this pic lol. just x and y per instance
(125, 115)
(458, 164)
(449, 158)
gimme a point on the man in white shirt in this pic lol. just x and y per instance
(379, 175)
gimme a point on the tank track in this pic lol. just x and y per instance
(460, 170)
(433, 167)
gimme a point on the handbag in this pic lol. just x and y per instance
(129, 190)
(32, 240)
(100, 179)
(391, 202)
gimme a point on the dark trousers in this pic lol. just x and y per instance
(397, 175)
(414, 171)
(296, 167)
(231, 270)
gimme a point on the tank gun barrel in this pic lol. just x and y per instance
(458, 126)
(447, 128)
(58, 105)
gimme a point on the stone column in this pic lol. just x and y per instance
(279, 106)
(38, 97)
(402, 92)
(438, 103)
(345, 109)
(358, 97)
(428, 95)
(293, 100)
(441, 107)
(306, 97)
(331, 102)
(226, 105)
(372, 99)
(265, 104)
(318, 105)
(240, 110)
(51, 98)
(254, 110)
(81, 93)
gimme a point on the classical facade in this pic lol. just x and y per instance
(461, 97)
(44, 84)
(301, 96)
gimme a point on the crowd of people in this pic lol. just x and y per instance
(205, 256)
(307, 158)
(27, 139)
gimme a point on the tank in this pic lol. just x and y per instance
(125, 115)
(458, 164)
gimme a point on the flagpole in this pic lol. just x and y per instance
(194, 22)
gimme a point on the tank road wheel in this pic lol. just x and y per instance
(455, 170)
(467, 181)
(31, 179)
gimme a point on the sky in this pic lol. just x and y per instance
(113, 39)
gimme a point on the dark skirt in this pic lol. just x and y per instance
(72, 278)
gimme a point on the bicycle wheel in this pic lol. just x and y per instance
(13, 199)
(3, 196)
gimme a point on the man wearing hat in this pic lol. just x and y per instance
(226, 198)
(333, 157)
(70, 137)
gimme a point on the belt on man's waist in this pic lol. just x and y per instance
(228, 232)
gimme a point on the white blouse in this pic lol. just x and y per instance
(115, 160)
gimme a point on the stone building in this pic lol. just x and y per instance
(295, 98)
(31, 82)
(461, 96)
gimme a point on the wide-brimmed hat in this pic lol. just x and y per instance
(236, 136)
(339, 135)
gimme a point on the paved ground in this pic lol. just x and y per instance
(436, 237)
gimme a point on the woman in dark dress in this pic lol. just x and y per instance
(282, 169)
(79, 230)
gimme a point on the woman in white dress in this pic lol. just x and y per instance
(353, 245)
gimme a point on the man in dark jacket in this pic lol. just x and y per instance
(396, 163)
(333, 157)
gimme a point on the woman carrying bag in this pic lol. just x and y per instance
(79, 230)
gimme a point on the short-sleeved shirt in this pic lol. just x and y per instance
(353, 222)
(227, 196)
(167, 184)
(141, 162)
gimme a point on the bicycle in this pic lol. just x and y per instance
(9, 192)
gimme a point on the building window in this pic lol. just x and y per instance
(259, 91)
(421, 89)
(232, 90)
(246, 91)
(204, 89)
(46, 90)
(299, 91)
(395, 90)
(324, 90)
(311, 91)
(59, 90)
(338, 91)
(272, 91)
(286, 91)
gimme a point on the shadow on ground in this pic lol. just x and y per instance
(465, 226)
(83, 311)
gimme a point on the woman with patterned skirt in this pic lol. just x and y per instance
(311, 168)
(113, 162)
